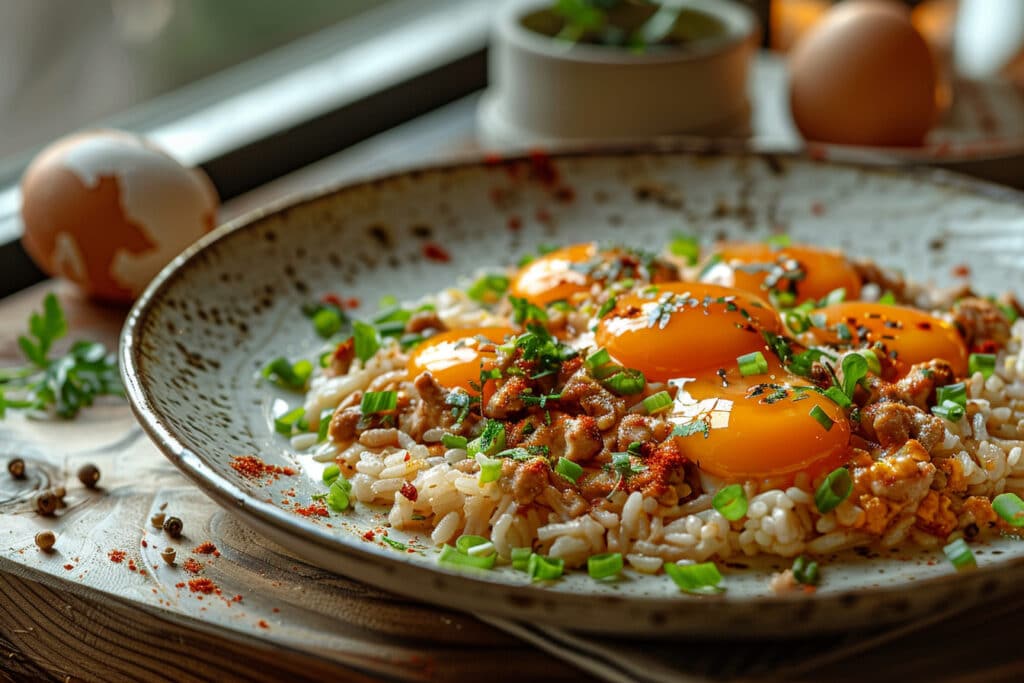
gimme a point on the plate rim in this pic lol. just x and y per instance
(236, 501)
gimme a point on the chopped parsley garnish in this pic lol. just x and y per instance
(622, 465)
(855, 368)
(461, 403)
(690, 428)
(490, 441)
(523, 312)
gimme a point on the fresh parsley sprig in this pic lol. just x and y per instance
(63, 385)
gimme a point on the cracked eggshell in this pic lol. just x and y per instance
(108, 210)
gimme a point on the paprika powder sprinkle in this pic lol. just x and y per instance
(253, 468)
(116, 556)
(191, 566)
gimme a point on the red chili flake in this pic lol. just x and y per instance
(116, 556)
(263, 624)
(332, 299)
(352, 302)
(409, 491)
(131, 565)
(514, 223)
(986, 346)
(315, 509)
(180, 585)
(817, 208)
(368, 536)
(144, 543)
(237, 598)
(142, 572)
(276, 610)
(252, 467)
(204, 586)
(436, 252)
(69, 567)
(961, 270)
(205, 548)
(192, 566)
(407, 457)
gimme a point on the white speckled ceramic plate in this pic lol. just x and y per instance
(195, 341)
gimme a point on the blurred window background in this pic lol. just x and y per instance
(65, 64)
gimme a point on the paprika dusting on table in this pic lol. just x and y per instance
(254, 468)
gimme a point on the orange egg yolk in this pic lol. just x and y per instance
(807, 272)
(682, 328)
(551, 277)
(454, 358)
(912, 335)
(760, 427)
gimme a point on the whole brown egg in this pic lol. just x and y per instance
(863, 76)
(108, 210)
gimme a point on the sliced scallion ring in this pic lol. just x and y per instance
(568, 469)
(490, 468)
(950, 410)
(836, 488)
(541, 568)
(331, 472)
(452, 441)
(521, 558)
(957, 393)
(1010, 508)
(695, 578)
(604, 566)
(656, 403)
(731, 502)
(753, 363)
(960, 556)
(451, 557)
(378, 402)
(822, 417)
(985, 363)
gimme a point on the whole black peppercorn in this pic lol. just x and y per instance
(89, 475)
(16, 468)
(46, 503)
(173, 527)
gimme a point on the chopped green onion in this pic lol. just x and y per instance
(822, 417)
(1010, 507)
(490, 468)
(1009, 311)
(626, 382)
(731, 502)
(568, 469)
(490, 441)
(888, 298)
(451, 557)
(331, 472)
(985, 363)
(488, 289)
(954, 412)
(695, 578)
(960, 555)
(392, 314)
(337, 496)
(872, 359)
(387, 301)
(604, 566)
(957, 393)
(521, 558)
(656, 403)
(836, 488)
(780, 241)
(397, 545)
(805, 571)
(838, 397)
(367, 341)
(753, 363)
(606, 307)
(288, 375)
(541, 568)
(325, 423)
(597, 359)
(327, 321)
(467, 542)
(685, 247)
(286, 424)
(378, 402)
(855, 368)
(452, 441)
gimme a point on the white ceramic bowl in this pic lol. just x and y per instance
(544, 90)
